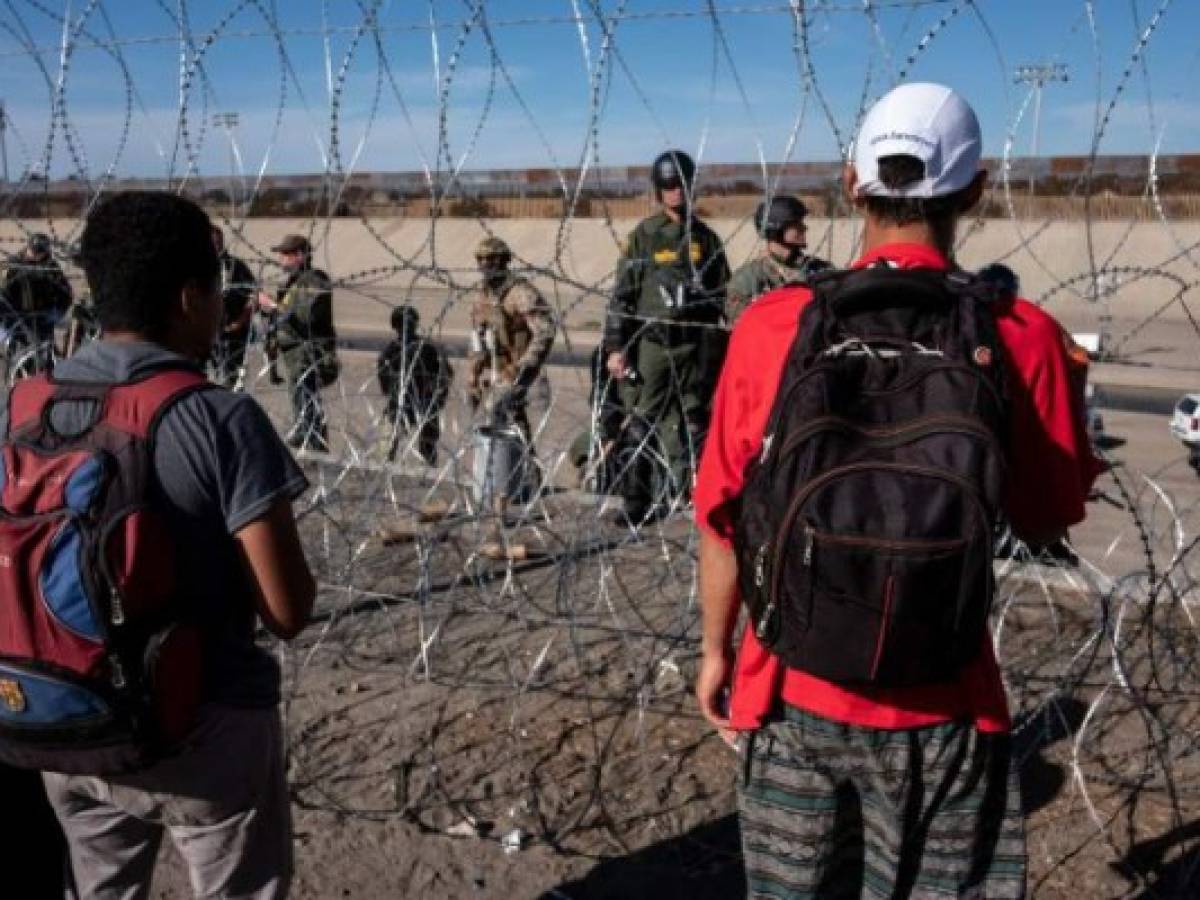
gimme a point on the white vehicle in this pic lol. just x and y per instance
(1185, 423)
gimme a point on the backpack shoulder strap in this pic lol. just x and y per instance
(26, 400)
(130, 407)
(884, 303)
(137, 406)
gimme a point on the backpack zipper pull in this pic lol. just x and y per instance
(766, 448)
(760, 566)
(116, 610)
(118, 673)
(760, 630)
(809, 535)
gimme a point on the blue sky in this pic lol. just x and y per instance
(519, 82)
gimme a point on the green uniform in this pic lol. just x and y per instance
(308, 345)
(764, 274)
(671, 276)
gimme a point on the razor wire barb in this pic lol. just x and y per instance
(550, 690)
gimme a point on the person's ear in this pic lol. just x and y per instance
(850, 186)
(194, 299)
(189, 300)
(974, 191)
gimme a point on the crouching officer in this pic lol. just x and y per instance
(512, 330)
(303, 312)
(669, 297)
(784, 259)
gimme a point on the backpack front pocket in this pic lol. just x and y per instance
(864, 604)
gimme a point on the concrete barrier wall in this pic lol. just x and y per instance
(381, 261)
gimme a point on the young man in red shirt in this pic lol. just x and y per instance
(866, 791)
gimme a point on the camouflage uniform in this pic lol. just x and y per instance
(764, 274)
(671, 275)
(308, 346)
(512, 330)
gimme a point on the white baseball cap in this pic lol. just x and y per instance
(928, 121)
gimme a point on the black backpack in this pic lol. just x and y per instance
(864, 529)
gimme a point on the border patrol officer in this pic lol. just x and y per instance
(303, 313)
(414, 377)
(36, 294)
(784, 261)
(670, 279)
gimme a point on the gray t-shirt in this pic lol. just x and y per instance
(220, 465)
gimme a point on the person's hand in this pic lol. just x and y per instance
(507, 395)
(266, 302)
(615, 363)
(712, 680)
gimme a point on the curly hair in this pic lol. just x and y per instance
(139, 250)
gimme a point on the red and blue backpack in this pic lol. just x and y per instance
(100, 672)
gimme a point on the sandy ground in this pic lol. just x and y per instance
(440, 703)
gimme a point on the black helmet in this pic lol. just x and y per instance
(672, 168)
(38, 243)
(1001, 277)
(405, 319)
(772, 218)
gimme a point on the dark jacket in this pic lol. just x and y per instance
(36, 288)
(415, 372)
(238, 287)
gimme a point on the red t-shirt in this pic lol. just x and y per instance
(1050, 470)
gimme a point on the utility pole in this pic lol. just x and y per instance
(229, 121)
(1037, 76)
(4, 139)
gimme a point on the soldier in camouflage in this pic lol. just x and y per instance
(302, 310)
(512, 330)
(784, 261)
(670, 283)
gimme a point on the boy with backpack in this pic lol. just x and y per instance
(147, 525)
(865, 435)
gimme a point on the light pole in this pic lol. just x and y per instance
(1038, 75)
(229, 121)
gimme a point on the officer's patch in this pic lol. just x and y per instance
(665, 257)
(11, 695)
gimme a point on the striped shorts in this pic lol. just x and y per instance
(837, 811)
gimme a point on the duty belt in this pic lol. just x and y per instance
(672, 334)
